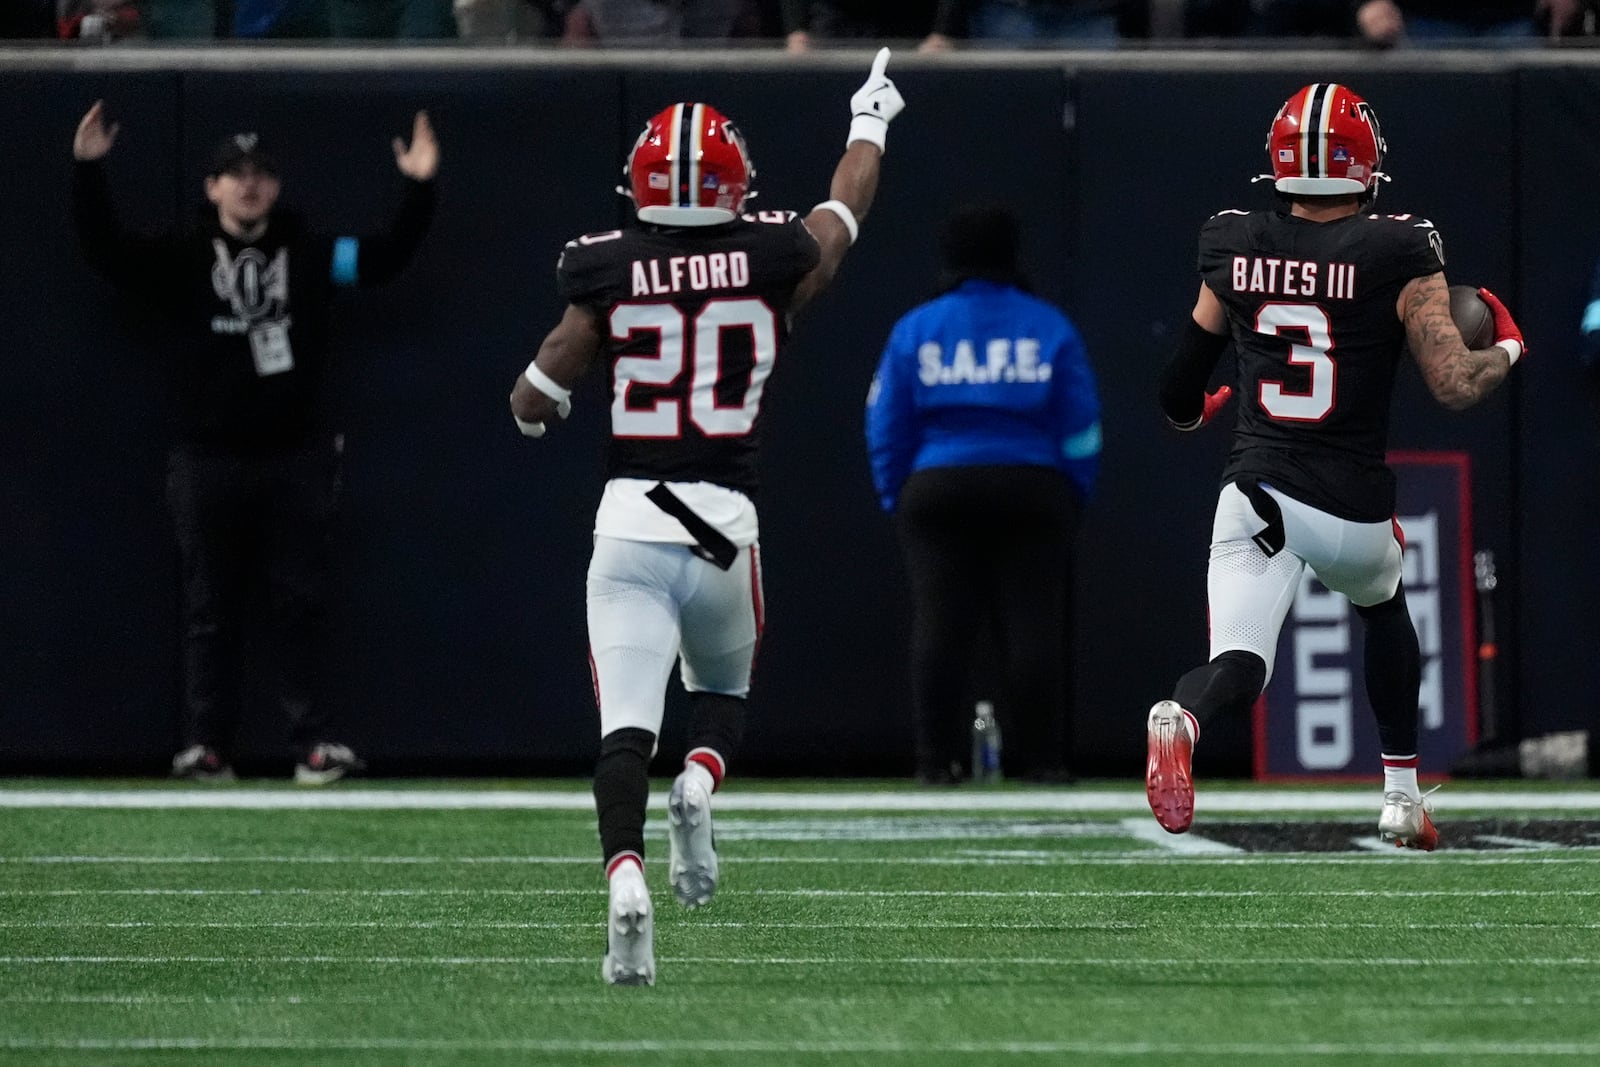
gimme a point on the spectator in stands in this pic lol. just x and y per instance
(345, 19)
(93, 20)
(1258, 18)
(601, 21)
(1024, 22)
(501, 20)
(244, 19)
(806, 21)
(1301, 18)
(1387, 22)
(392, 20)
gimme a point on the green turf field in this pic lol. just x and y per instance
(840, 935)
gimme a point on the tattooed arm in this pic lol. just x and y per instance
(1457, 376)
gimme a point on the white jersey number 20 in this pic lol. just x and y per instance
(676, 337)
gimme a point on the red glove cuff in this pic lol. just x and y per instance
(1505, 327)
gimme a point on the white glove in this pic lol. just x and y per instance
(874, 105)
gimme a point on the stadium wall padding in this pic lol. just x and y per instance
(457, 642)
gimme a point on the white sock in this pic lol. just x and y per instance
(1400, 776)
(698, 773)
(626, 870)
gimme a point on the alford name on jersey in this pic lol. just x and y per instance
(713, 270)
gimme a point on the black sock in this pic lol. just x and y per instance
(621, 791)
(1394, 673)
(715, 730)
(1229, 683)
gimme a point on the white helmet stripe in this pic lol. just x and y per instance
(675, 149)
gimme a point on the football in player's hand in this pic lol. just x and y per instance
(1472, 316)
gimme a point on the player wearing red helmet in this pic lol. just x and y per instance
(689, 167)
(689, 311)
(1320, 300)
(1325, 141)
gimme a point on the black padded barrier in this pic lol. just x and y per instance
(458, 638)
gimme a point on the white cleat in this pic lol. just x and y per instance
(1405, 821)
(630, 935)
(692, 866)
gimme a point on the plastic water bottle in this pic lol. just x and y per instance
(95, 27)
(985, 743)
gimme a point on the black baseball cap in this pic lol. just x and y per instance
(238, 152)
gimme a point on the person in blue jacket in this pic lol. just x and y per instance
(983, 425)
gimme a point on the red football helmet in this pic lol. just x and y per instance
(689, 168)
(1325, 142)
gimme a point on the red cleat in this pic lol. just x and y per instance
(1168, 781)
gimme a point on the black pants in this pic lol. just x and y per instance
(995, 543)
(248, 524)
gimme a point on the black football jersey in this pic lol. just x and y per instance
(1312, 306)
(696, 318)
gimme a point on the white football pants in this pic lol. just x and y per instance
(1250, 592)
(652, 602)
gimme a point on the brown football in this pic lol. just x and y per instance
(1472, 316)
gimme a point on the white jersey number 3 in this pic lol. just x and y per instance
(676, 338)
(1310, 322)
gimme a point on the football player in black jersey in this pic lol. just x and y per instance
(1320, 300)
(688, 311)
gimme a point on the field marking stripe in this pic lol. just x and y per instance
(931, 924)
(1148, 831)
(1275, 1050)
(829, 961)
(786, 997)
(1003, 894)
(1588, 855)
(1089, 800)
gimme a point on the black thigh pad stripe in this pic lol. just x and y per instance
(1271, 539)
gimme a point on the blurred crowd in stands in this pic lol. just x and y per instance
(804, 24)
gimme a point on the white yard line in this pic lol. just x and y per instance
(827, 961)
(1273, 1050)
(1003, 894)
(787, 997)
(1147, 830)
(1516, 842)
(1247, 801)
(931, 924)
(1220, 856)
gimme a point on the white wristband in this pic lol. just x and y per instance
(529, 429)
(846, 216)
(546, 384)
(870, 128)
(1513, 349)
